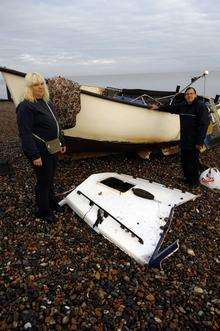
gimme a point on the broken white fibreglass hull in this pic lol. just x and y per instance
(132, 213)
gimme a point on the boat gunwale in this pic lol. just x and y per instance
(96, 95)
(12, 71)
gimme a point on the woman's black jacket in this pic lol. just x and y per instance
(35, 117)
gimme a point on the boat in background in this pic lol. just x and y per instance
(112, 119)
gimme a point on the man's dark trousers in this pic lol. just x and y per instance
(190, 165)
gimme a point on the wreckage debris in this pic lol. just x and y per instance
(132, 213)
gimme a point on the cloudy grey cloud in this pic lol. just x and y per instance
(91, 37)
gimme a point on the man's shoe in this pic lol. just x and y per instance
(193, 184)
(38, 214)
(184, 180)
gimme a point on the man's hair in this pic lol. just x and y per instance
(31, 79)
(190, 88)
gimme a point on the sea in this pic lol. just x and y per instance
(208, 86)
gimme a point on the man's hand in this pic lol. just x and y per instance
(38, 162)
(153, 106)
(63, 150)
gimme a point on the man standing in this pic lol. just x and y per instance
(194, 121)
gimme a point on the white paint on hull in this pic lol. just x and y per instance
(101, 119)
(16, 86)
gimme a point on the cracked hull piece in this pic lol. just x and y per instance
(133, 213)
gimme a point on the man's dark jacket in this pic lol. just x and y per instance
(194, 122)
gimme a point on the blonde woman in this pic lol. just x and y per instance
(39, 130)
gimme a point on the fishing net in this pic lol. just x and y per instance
(65, 96)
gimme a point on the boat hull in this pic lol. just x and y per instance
(105, 120)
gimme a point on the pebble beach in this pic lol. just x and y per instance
(67, 277)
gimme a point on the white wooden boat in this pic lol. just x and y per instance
(133, 213)
(107, 120)
(107, 123)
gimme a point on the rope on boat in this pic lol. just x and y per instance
(148, 96)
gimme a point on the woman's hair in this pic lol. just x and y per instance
(31, 79)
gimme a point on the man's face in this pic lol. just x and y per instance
(190, 95)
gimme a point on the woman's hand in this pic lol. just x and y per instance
(63, 150)
(38, 162)
(201, 148)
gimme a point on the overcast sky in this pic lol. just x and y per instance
(83, 37)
